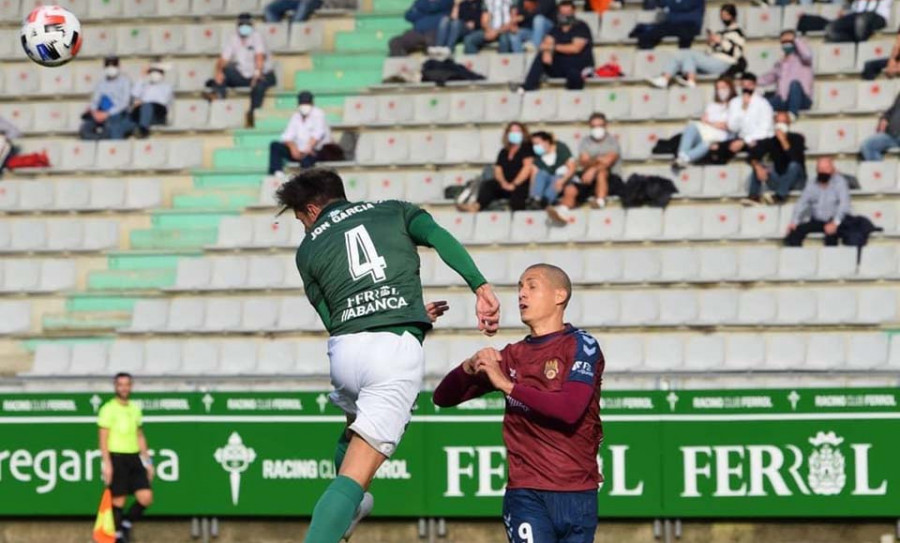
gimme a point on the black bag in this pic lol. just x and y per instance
(647, 190)
(811, 23)
(441, 71)
(856, 229)
(667, 146)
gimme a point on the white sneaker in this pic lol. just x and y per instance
(559, 215)
(659, 82)
(598, 203)
(365, 507)
(281, 176)
(685, 82)
(529, 47)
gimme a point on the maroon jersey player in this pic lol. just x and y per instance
(552, 427)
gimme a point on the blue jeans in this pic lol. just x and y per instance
(540, 516)
(116, 127)
(797, 100)
(782, 184)
(279, 153)
(691, 61)
(874, 146)
(474, 41)
(539, 28)
(449, 32)
(692, 145)
(544, 187)
(302, 9)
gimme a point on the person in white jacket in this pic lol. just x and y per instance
(750, 116)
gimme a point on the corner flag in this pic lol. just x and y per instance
(105, 526)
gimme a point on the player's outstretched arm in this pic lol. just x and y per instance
(424, 231)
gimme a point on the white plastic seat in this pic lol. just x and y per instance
(681, 222)
(704, 352)
(205, 38)
(125, 356)
(269, 232)
(436, 146)
(866, 351)
(877, 305)
(609, 224)
(759, 222)
(35, 195)
(492, 227)
(872, 49)
(185, 315)
(143, 193)
(679, 264)
(259, 314)
(113, 154)
(276, 35)
(21, 80)
(723, 180)
(461, 314)
(529, 227)
(795, 263)
(640, 140)
(894, 356)
(193, 273)
(28, 235)
(509, 313)
(641, 266)
(466, 107)
(132, 39)
(878, 176)
(649, 103)
(51, 359)
(295, 314)
(757, 307)
(836, 262)
(429, 108)
(149, 316)
(837, 137)
(237, 357)
(623, 352)
(603, 265)
(686, 102)
(834, 58)
(235, 232)
(57, 275)
(785, 351)
(502, 107)
(836, 305)
(190, 114)
(139, 8)
(600, 308)
(222, 315)
(199, 357)
(276, 358)
(100, 235)
(574, 106)
(650, 63)
(265, 272)
(762, 21)
(167, 39)
(71, 195)
(796, 306)
(539, 106)
(19, 114)
(874, 96)
(718, 264)
(663, 353)
(395, 109)
(88, 358)
(229, 272)
(306, 36)
(643, 223)
(506, 68)
(461, 225)
(615, 25)
(495, 267)
(677, 307)
(437, 357)
(835, 96)
(721, 222)
(881, 212)
(825, 352)
(744, 352)
(53, 118)
(78, 155)
(639, 308)
(761, 58)
(225, 114)
(21, 275)
(463, 146)
(191, 75)
(149, 155)
(879, 262)
(181, 154)
(718, 307)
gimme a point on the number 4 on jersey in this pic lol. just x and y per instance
(361, 254)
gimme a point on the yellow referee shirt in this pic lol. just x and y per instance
(123, 422)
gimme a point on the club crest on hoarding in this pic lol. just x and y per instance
(826, 465)
(235, 458)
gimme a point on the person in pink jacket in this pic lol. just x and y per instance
(792, 76)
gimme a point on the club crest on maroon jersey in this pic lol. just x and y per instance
(551, 369)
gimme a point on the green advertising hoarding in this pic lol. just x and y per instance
(738, 453)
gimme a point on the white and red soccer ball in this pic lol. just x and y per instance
(51, 35)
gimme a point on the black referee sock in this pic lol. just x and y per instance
(135, 512)
(117, 518)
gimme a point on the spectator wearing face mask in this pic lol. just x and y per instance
(792, 76)
(786, 153)
(886, 136)
(152, 98)
(512, 171)
(244, 62)
(711, 130)
(567, 51)
(750, 116)
(307, 132)
(554, 168)
(108, 116)
(725, 51)
(822, 207)
(601, 170)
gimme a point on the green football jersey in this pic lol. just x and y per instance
(360, 260)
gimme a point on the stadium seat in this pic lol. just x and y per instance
(574, 106)
(276, 358)
(603, 265)
(721, 222)
(879, 262)
(761, 58)
(193, 273)
(276, 35)
(205, 38)
(238, 357)
(638, 308)
(643, 223)
(641, 266)
(269, 232)
(493, 264)
(199, 357)
(125, 355)
(726, 180)
(876, 305)
(99, 235)
(149, 155)
(424, 186)
(684, 102)
(718, 264)
(663, 352)
(36, 195)
(757, 307)
(761, 21)
(53, 118)
(881, 212)
(226, 114)
(641, 140)
(28, 235)
(529, 227)
(437, 356)
(21, 275)
(21, 115)
(759, 222)
(51, 358)
(185, 315)
(615, 103)
(604, 308)
(461, 225)
(71, 195)
(395, 110)
(623, 352)
(356, 185)
(825, 352)
(433, 146)
(306, 36)
(837, 137)
(866, 351)
(508, 68)
(835, 96)
(757, 263)
(65, 235)
(609, 224)
(718, 307)
(430, 108)
(836, 305)
(265, 272)
(148, 316)
(21, 80)
(492, 227)
(168, 39)
(222, 315)
(681, 223)
(463, 108)
(678, 307)
(872, 49)
(58, 81)
(540, 106)
(796, 306)
(836, 262)
(650, 63)
(462, 313)
(647, 103)
(295, 314)
(142, 194)
(796, 263)
(57, 275)
(133, 39)
(113, 155)
(704, 352)
(834, 58)
(78, 155)
(162, 357)
(878, 177)
(679, 264)
(744, 352)
(874, 96)
(228, 272)
(501, 107)
(192, 74)
(88, 358)
(785, 351)
(9, 198)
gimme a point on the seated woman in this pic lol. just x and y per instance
(464, 19)
(554, 185)
(725, 52)
(711, 130)
(512, 171)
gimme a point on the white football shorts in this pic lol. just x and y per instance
(377, 377)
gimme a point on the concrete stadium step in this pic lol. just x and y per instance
(349, 61)
(287, 101)
(391, 23)
(177, 218)
(127, 280)
(86, 302)
(31, 345)
(255, 158)
(147, 260)
(173, 238)
(258, 138)
(368, 41)
(85, 322)
(222, 199)
(389, 6)
(335, 80)
(220, 179)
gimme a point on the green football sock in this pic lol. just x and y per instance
(334, 512)
(340, 450)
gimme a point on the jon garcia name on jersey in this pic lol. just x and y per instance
(337, 216)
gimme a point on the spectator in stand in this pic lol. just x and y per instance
(497, 24)
(786, 151)
(152, 98)
(534, 18)
(108, 116)
(725, 53)
(792, 76)
(865, 18)
(464, 18)
(302, 10)
(425, 16)
(512, 171)
(601, 169)
(711, 130)
(567, 51)
(244, 62)
(306, 133)
(887, 134)
(890, 66)
(683, 19)
(821, 207)
(749, 116)
(554, 168)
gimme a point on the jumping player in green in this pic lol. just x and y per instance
(360, 271)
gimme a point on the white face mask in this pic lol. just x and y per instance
(598, 132)
(156, 77)
(723, 94)
(305, 109)
(782, 127)
(111, 72)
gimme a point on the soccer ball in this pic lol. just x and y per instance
(51, 35)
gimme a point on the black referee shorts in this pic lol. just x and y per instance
(129, 474)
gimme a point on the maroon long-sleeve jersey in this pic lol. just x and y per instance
(552, 426)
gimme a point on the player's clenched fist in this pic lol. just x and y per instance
(487, 309)
(487, 361)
